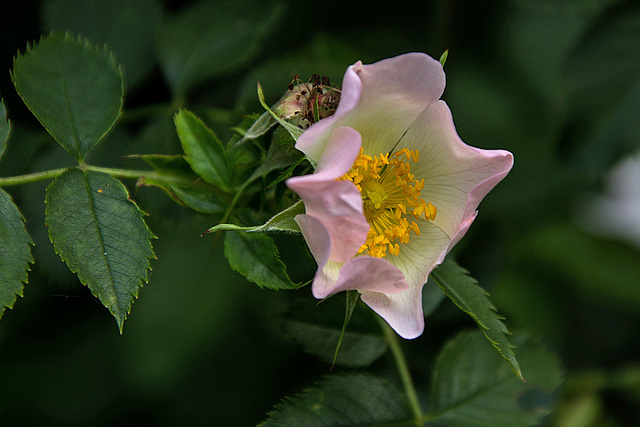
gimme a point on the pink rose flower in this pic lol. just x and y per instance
(395, 187)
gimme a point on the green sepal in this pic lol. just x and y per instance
(352, 301)
(443, 57)
(75, 89)
(283, 221)
(317, 327)
(15, 252)
(293, 130)
(465, 293)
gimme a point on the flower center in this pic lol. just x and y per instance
(390, 196)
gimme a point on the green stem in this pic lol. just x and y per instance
(403, 369)
(119, 173)
(32, 177)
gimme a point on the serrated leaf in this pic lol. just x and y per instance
(74, 89)
(210, 39)
(317, 328)
(5, 128)
(127, 26)
(15, 252)
(282, 221)
(464, 291)
(203, 150)
(472, 387)
(101, 235)
(344, 400)
(255, 256)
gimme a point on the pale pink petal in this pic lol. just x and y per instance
(319, 242)
(422, 253)
(402, 311)
(394, 92)
(370, 274)
(457, 176)
(336, 204)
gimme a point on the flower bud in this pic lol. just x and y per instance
(306, 103)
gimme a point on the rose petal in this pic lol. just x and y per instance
(402, 311)
(393, 92)
(457, 176)
(336, 204)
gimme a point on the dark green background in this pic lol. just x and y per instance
(555, 82)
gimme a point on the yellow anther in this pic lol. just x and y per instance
(388, 188)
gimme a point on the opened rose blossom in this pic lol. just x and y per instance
(395, 188)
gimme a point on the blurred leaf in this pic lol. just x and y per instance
(471, 386)
(15, 252)
(606, 272)
(73, 88)
(344, 400)
(127, 26)
(464, 291)
(282, 221)
(255, 256)
(99, 232)
(317, 328)
(5, 128)
(603, 77)
(210, 39)
(203, 150)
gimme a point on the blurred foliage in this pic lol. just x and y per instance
(555, 82)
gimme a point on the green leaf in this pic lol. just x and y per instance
(283, 221)
(194, 193)
(5, 128)
(318, 327)
(211, 39)
(464, 291)
(74, 89)
(472, 387)
(15, 252)
(203, 150)
(101, 235)
(127, 26)
(344, 400)
(255, 256)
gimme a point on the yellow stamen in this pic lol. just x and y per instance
(389, 192)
